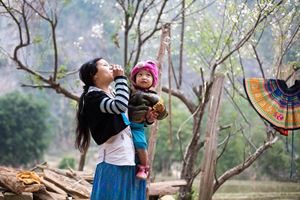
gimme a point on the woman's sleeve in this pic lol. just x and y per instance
(118, 104)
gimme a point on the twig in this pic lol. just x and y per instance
(241, 167)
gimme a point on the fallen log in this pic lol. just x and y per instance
(51, 187)
(165, 187)
(46, 195)
(71, 186)
(13, 196)
(86, 177)
(74, 175)
(9, 180)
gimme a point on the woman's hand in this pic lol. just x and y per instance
(117, 70)
(151, 116)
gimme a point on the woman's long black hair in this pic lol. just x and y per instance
(86, 74)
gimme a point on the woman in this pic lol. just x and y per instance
(101, 113)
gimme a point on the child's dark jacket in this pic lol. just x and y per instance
(139, 103)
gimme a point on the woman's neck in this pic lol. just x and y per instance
(103, 87)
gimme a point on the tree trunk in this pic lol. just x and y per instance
(185, 192)
(82, 161)
(188, 172)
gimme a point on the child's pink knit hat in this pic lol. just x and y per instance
(149, 66)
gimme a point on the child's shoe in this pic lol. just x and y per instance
(143, 172)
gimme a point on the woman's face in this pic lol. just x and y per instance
(144, 79)
(104, 73)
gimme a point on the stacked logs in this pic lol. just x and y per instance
(54, 184)
(46, 183)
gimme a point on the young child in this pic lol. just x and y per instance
(142, 100)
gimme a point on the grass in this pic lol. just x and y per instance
(258, 196)
(251, 190)
(258, 190)
(235, 186)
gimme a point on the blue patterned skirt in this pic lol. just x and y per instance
(112, 182)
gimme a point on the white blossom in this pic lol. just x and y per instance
(80, 39)
(234, 18)
(97, 31)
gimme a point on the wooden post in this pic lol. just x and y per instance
(211, 140)
(164, 41)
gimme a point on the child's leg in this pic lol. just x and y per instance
(140, 144)
(143, 156)
(143, 167)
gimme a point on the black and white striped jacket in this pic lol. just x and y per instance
(104, 110)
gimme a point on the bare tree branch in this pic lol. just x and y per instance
(20, 65)
(35, 86)
(194, 12)
(236, 89)
(155, 28)
(289, 44)
(236, 106)
(261, 17)
(259, 61)
(180, 95)
(179, 131)
(240, 168)
(225, 141)
(248, 140)
(181, 44)
(241, 63)
(221, 35)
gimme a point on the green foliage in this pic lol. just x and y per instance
(233, 154)
(67, 2)
(295, 64)
(165, 153)
(67, 162)
(130, 10)
(237, 149)
(276, 163)
(23, 129)
(62, 71)
(73, 104)
(3, 61)
(37, 39)
(35, 80)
